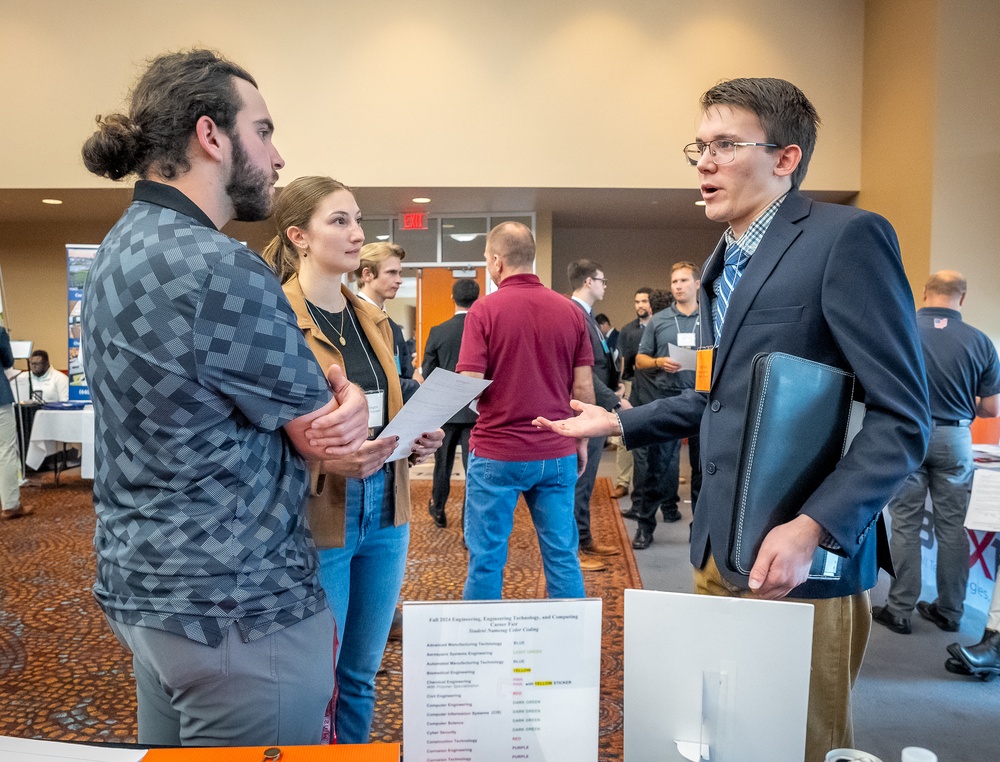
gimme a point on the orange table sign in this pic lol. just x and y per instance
(373, 752)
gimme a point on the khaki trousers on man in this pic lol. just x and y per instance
(624, 465)
(841, 627)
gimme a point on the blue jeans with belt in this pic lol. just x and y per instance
(362, 581)
(491, 491)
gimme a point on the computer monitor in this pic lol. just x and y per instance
(21, 349)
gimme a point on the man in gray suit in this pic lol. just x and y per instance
(818, 281)
(443, 344)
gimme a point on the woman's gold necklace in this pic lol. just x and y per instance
(322, 314)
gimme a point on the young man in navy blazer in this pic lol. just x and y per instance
(819, 281)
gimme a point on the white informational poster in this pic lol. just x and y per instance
(715, 678)
(485, 681)
(984, 504)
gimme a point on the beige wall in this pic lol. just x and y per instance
(562, 93)
(898, 133)
(929, 100)
(965, 229)
(34, 275)
(567, 93)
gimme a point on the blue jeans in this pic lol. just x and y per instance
(362, 581)
(491, 490)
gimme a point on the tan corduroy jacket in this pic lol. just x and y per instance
(325, 512)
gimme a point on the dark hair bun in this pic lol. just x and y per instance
(115, 150)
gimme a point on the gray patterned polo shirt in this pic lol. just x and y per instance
(195, 361)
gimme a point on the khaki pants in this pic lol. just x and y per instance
(623, 458)
(841, 627)
(10, 474)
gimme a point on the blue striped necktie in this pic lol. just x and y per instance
(732, 271)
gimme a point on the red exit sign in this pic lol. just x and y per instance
(414, 221)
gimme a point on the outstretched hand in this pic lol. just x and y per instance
(593, 421)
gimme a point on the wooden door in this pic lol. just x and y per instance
(434, 304)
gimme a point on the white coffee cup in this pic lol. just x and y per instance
(918, 754)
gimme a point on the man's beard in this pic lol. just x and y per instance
(249, 188)
(641, 314)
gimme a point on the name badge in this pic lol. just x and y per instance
(686, 340)
(703, 369)
(376, 409)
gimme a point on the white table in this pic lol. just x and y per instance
(52, 429)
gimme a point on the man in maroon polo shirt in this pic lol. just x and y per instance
(533, 344)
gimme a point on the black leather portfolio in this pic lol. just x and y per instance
(798, 419)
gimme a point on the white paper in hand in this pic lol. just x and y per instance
(439, 397)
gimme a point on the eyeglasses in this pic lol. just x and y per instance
(721, 151)
(602, 280)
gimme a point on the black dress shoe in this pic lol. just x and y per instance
(897, 624)
(643, 538)
(630, 514)
(670, 515)
(982, 659)
(439, 518)
(931, 613)
(956, 667)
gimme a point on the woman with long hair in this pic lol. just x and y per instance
(359, 507)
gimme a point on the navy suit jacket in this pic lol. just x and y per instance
(826, 283)
(605, 372)
(443, 344)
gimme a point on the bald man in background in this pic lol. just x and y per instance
(963, 378)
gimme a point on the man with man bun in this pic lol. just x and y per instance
(206, 401)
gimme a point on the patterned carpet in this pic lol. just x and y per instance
(64, 677)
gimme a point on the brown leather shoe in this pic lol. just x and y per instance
(593, 549)
(591, 564)
(13, 513)
(619, 492)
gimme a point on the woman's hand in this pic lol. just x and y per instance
(365, 462)
(426, 445)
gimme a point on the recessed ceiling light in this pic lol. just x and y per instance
(699, 203)
(53, 201)
(447, 225)
(421, 200)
